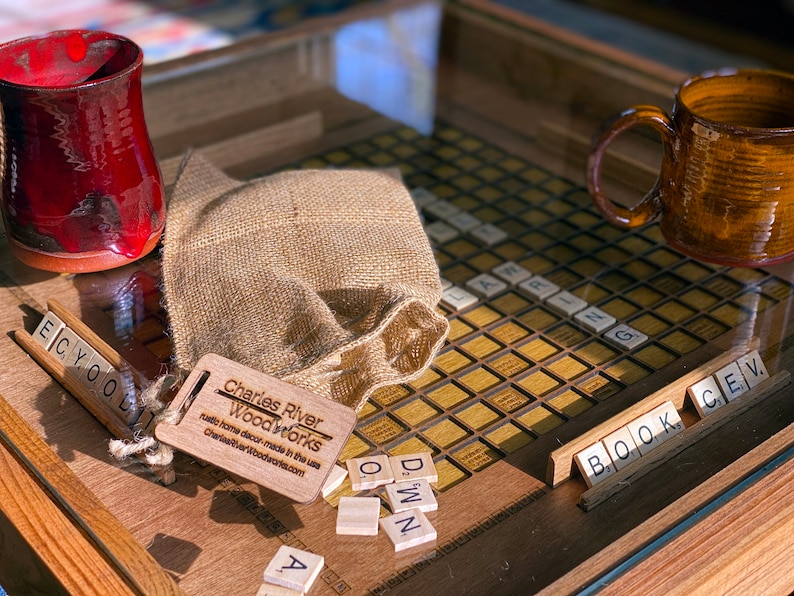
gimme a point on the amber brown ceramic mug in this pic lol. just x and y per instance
(725, 193)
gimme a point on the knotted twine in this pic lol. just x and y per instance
(323, 278)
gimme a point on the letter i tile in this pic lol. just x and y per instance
(294, 568)
(407, 529)
(369, 472)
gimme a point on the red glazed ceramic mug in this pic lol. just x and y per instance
(81, 188)
(725, 193)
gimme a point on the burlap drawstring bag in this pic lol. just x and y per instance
(323, 278)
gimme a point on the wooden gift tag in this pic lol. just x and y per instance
(280, 436)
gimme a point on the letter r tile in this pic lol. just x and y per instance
(595, 464)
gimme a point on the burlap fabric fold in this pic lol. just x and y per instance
(323, 278)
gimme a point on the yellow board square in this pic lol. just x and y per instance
(539, 383)
(681, 342)
(488, 194)
(644, 295)
(654, 356)
(427, 378)
(412, 445)
(674, 311)
(387, 396)
(458, 329)
(699, 299)
(640, 269)
(509, 365)
(510, 303)
(776, 288)
(568, 368)
(627, 371)
(367, 410)
(596, 352)
(449, 475)
(477, 416)
(541, 420)
(538, 318)
(537, 264)
(754, 301)
(570, 403)
(510, 251)
(483, 316)
(664, 257)
(465, 202)
(382, 430)
(730, 314)
(509, 333)
(538, 349)
(451, 361)
(693, 271)
(460, 248)
(354, 447)
(448, 396)
(481, 346)
(479, 380)
(445, 433)
(509, 437)
(619, 308)
(509, 399)
(416, 412)
(466, 182)
(599, 387)
(485, 261)
(566, 335)
(649, 324)
(476, 456)
(706, 327)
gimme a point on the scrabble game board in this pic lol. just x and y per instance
(536, 284)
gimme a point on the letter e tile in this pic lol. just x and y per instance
(48, 329)
(731, 381)
(294, 568)
(595, 464)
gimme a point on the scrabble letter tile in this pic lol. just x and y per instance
(95, 371)
(621, 447)
(668, 421)
(645, 432)
(731, 381)
(594, 319)
(369, 472)
(64, 344)
(415, 494)
(463, 221)
(440, 232)
(441, 209)
(594, 463)
(457, 298)
(489, 234)
(413, 466)
(566, 303)
(407, 529)
(538, 287)
(511, 272)
(48, 329)
(753, 368)
(335, 479)
(706, 396)
(267, 589)
(626, 337)
(358, 516)
(294, 568)
(79, 357)
(486, 285)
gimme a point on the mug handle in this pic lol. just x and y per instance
(651, 204)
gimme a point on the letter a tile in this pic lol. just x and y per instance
(294, 568)
(407, 529)
(369, 472)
